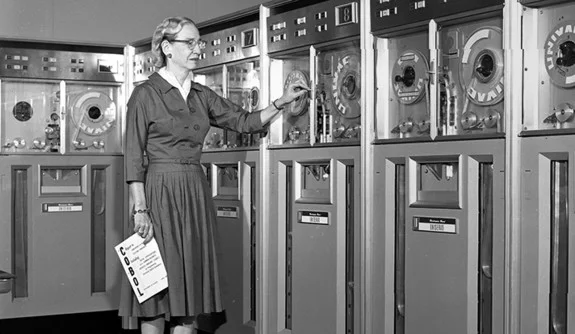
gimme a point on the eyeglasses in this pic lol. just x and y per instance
(191, 43)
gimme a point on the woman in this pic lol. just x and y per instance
(167, 119)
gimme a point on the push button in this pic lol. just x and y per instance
(196, 127)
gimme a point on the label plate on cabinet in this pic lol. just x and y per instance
(61, 207)
(434, 224)
(314, 217)
(228, 211)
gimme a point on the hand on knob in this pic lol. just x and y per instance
(293, 92)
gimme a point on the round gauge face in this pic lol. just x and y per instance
(94, 113)
(22, 111)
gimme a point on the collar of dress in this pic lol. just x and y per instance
(165, 86)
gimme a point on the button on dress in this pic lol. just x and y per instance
(170, 132)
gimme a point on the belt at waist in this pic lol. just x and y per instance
(181, 161)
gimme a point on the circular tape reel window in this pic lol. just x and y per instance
(346, 88)
(300, 105)
(93, 112)
(409, 76)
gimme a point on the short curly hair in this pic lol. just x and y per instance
(168, 29)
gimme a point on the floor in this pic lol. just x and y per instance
(85, 323)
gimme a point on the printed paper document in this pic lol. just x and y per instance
(143, 265)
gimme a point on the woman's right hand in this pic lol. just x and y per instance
(143, 226)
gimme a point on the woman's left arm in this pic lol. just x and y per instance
(225, 114)
(294, 91)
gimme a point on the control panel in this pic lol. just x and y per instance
(326, 21)
(143, 63)
(61, 65)
(387, 14)
(227, 45)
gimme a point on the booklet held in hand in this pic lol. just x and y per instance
(143, 265)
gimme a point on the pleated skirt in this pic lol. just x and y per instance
(184, 221)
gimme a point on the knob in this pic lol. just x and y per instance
(564, 112)
(294, 134)
(339, 131)
(19, 142)
(99, 144)
(491, 118)
(353, 131)
(406, 126)
(39, 143)
(469, 120)
(79, 144)
(423, 126)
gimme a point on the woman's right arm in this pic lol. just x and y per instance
(140, 211)
(136, 141)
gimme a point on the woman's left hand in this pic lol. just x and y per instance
(293, 91)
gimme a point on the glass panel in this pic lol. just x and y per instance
(253, 247)
(30, 117)
(438, 184)
(228, 182)
(559, 247)
(471, 78)
(549, 76)
(54, 180)
(212, 78)
(288, 250)
(400, 207)
(98, 230)
(350, 250)
(20, 232)
(208, 172)
(486, 248)
(403, 112)
(316, 181)
(244, 90)
(296, 121)
(94, 123)
(338, 93)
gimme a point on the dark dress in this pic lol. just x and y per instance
(171, 131)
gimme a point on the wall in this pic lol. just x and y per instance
(103, 21)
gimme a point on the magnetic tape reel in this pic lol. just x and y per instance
(409, 77)
(296, 122)
(559, 58)
(409, 80)
(481, 77)
(560, 54)
(346, 88)
(253, 94)
(482, 67)
(253, 98)
(93, 114)
(300, 105)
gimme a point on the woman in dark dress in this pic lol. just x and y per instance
(167, 119)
